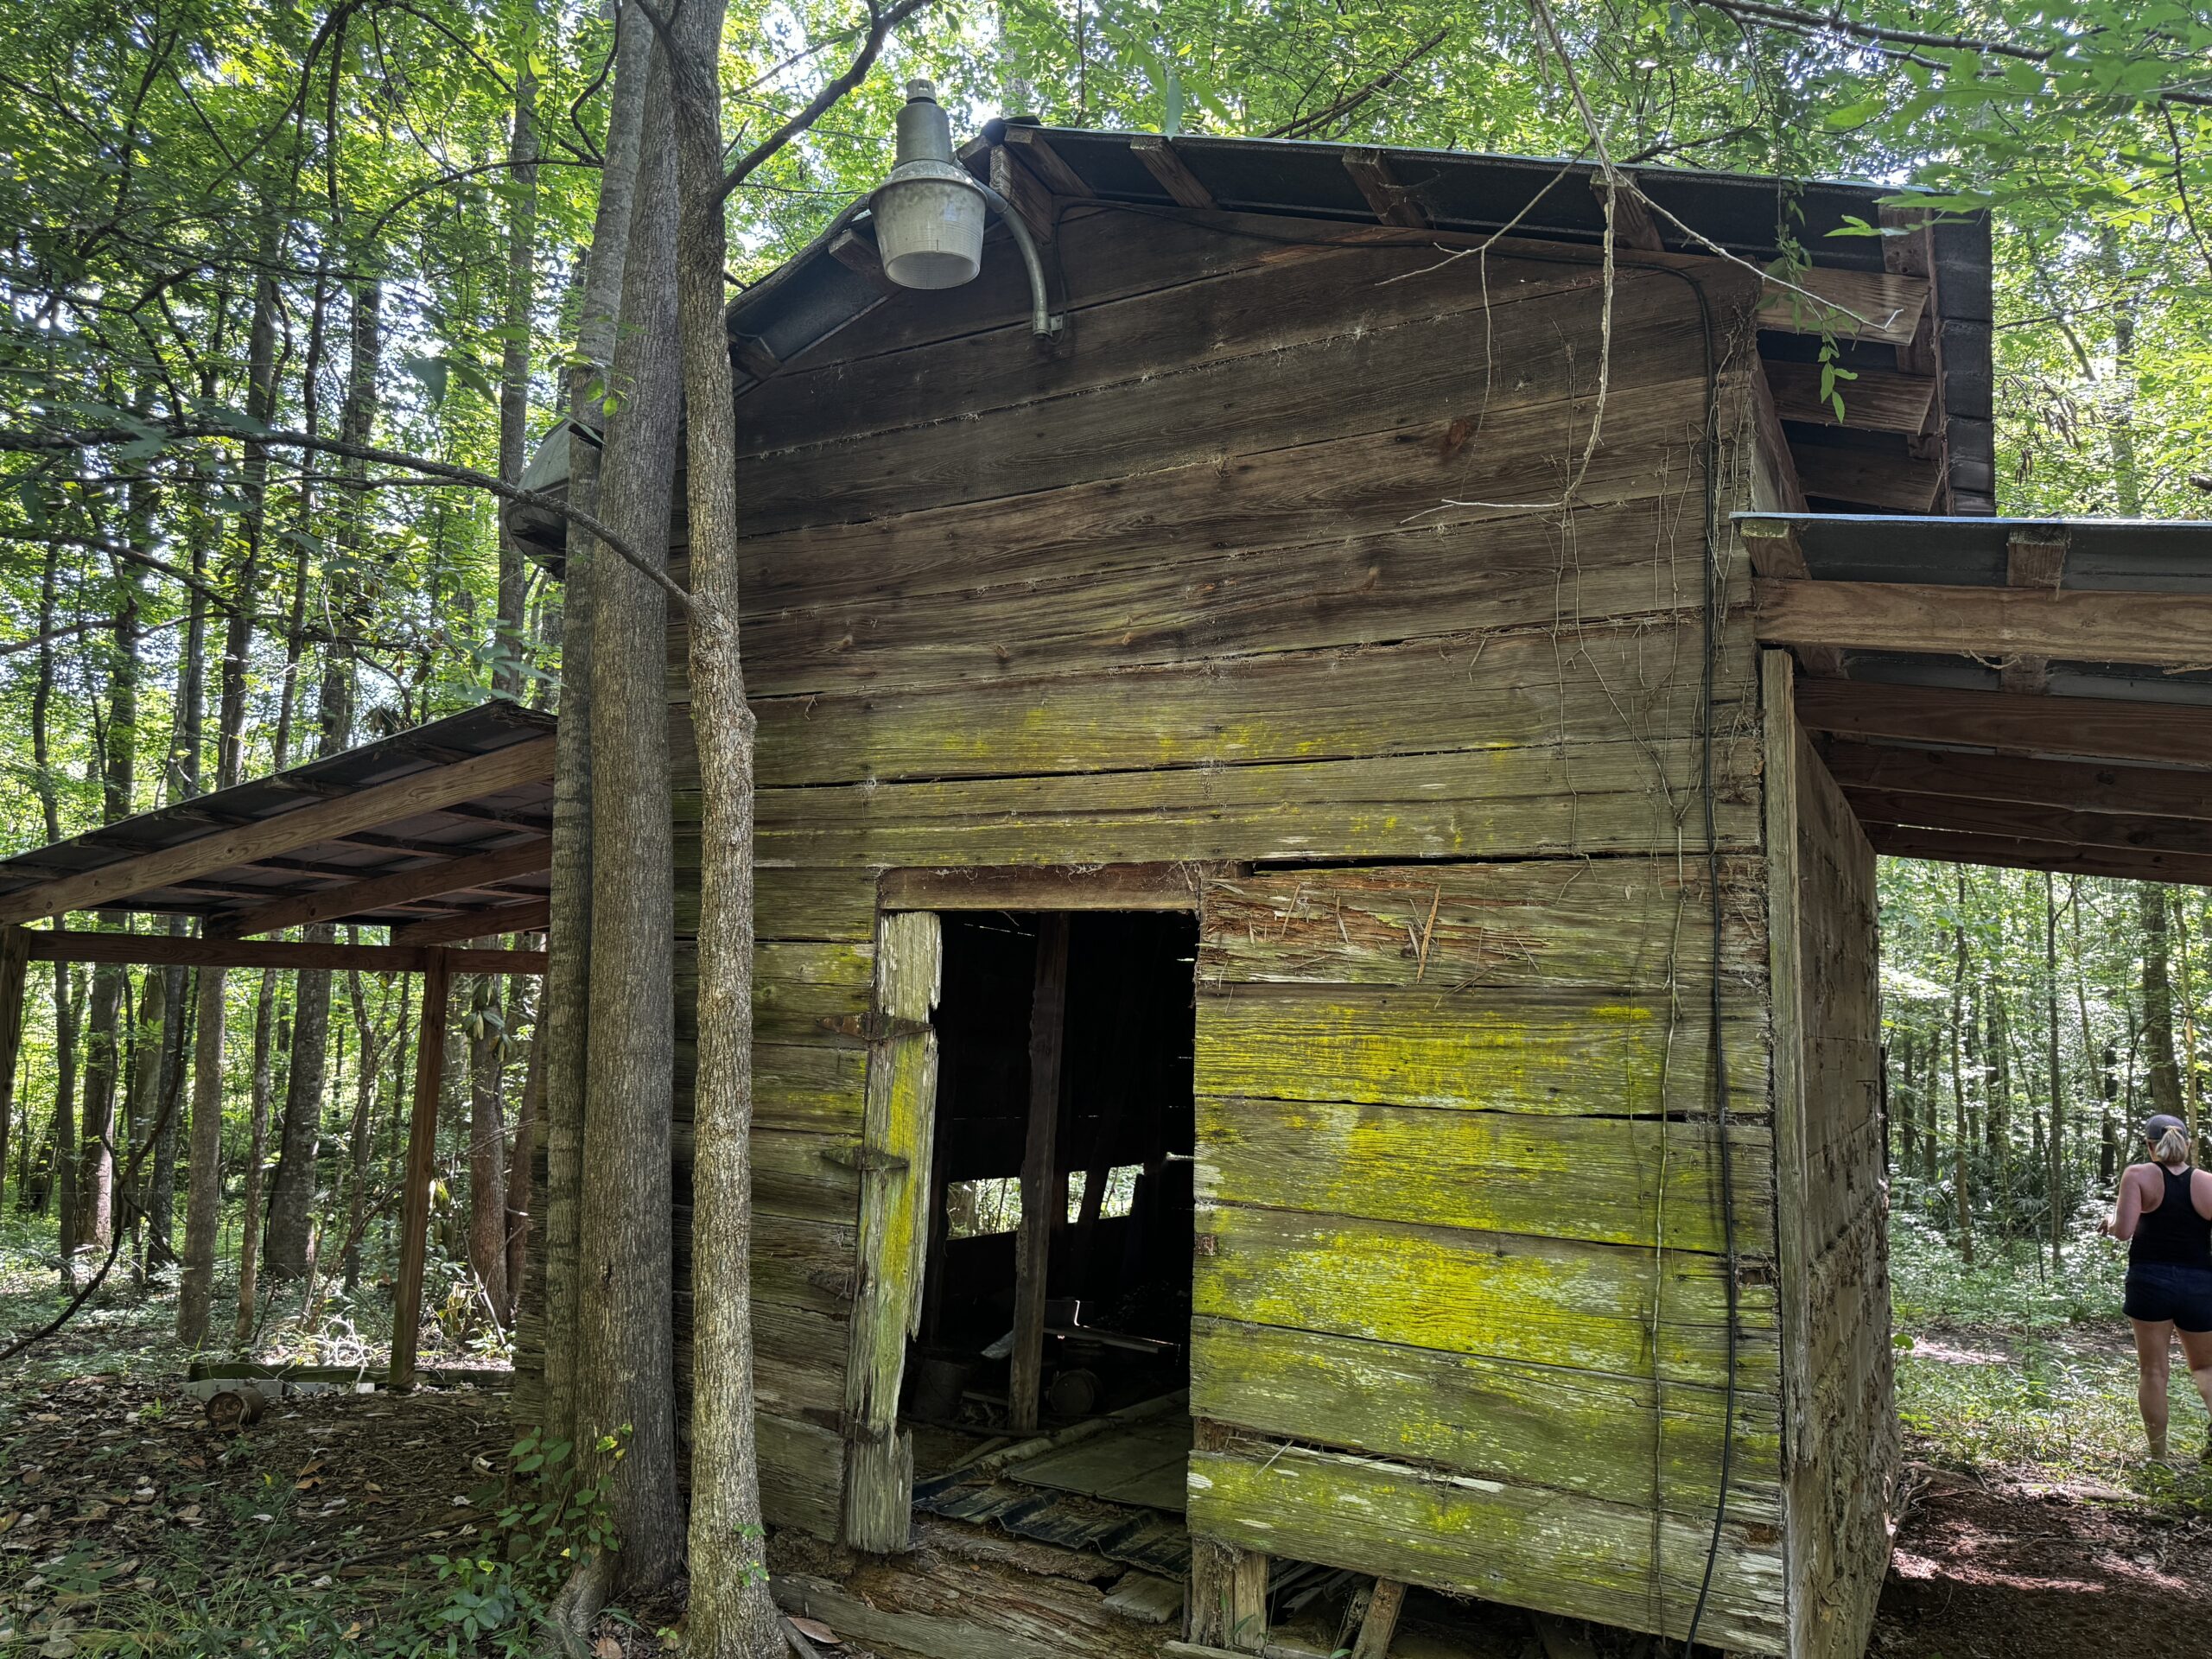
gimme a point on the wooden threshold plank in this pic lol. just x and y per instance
(1049, 886)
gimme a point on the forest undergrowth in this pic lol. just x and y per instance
(2010, 1370)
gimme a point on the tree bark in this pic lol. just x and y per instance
(514, 368)
(1961, 1136)
(730, 1615)
(626, 1342)
(152, 1032)
(2159, 1000)
(520, 1182)
(2050, 1058)
(487, 1150)
(256, 1154)
(63, 1166)
(563, 1013)
(203, 1210)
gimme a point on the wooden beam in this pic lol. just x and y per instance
(1024, 193)
(1161, 160)
(530, 916)
(858, 255)
(2033, 558)
(151, 949)
(1388, 201)
(1890, 478)
(2070, 785)
(1381, 1623)
(1771, 545)
(1633, 226)
(1047, 164)
(1047, 886)
(422, 1158)
(1867, 305)
(1040, 1170)
(753, 356)
(2098, 625)
(364, 809)
(1878, 400)
(2020, 821)
(382, 891)
(2092, 728)
(1953, 846)
(1228, 1602)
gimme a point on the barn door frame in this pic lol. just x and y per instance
(898, 1131)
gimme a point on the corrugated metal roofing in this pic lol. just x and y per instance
(499, 819)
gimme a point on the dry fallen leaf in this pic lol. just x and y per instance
(814, 1629)
(607, 1648)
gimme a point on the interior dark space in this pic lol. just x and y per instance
(1118, 1264)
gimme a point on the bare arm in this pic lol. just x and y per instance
(2129, 1210)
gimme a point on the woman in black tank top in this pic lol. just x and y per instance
(2165, 1213)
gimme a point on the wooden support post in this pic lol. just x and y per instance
(422, 1155)
(1381, 1621)
(1040, 1166)
(15, 962)
(897, 1134)
(1229, 1597)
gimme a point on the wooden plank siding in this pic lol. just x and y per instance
(1840, 1429)
(1459, 1289)
(1269, 562)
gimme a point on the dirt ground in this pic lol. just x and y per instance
(2001, 1568)
(120, 1506)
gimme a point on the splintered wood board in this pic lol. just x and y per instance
(1143, 1463)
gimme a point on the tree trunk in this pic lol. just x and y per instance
(514, 368)
(730, 1614)
(146, 1091)
(292, 1189)
(2157, 999)
(1959, 1136)
(564, 1013)
(63, 1165)
(366, 1078)
(203, 1210)
(256, 1154)
(96, 1169)
(625, 1344)
(2050, 1059)
(487, 1149)
(519, 1172)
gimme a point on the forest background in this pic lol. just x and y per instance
(366, 220)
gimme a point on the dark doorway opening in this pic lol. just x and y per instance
(1117, 1268)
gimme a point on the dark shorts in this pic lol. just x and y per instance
(2161, 1290)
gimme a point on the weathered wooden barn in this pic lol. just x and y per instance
(1282, 776)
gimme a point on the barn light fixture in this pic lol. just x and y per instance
(929, 213)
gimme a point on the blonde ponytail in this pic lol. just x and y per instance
(2172, 1147)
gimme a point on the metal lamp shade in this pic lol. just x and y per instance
(929, 229)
